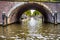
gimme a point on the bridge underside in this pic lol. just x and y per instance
(21, 9)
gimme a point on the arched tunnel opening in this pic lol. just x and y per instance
(31, 16)
(32, 6)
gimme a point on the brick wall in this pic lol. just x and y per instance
(5, 6)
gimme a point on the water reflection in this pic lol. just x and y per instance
(34, 31)
(32, 22)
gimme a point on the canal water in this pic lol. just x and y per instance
(30, 29)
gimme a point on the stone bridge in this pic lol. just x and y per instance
(13, 10)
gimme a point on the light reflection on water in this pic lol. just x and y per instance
(32, 22)
(30, 30)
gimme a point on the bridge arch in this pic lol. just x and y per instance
(18, 11)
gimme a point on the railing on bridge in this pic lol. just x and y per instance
(32, 0)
